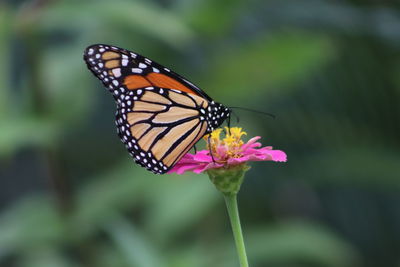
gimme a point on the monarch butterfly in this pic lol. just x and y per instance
(160, 115)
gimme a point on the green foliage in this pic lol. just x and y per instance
(135, 248)
(34, 231)
(299, 241)
(126, 16)
(269, 56)
(332, 81)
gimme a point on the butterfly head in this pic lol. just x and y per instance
(216, 114)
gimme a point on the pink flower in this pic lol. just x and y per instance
(228, 152)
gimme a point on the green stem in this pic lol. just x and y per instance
(231, 205)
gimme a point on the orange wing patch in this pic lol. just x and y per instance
(138, 130)
(111, 64)
(147, 140)
(133, 82)
(162, 80)
(110, 55)
(138, 116)
(141, 106)
(174, 114)
(183, 146)
(156, 98)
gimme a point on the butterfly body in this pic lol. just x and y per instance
(160, 115)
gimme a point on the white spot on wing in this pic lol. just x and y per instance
(137, 70)
(124, 62)
(117, 72)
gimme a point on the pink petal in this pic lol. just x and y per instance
(182, 168)
(202, 156)
(278, 155)
(205, 167)
(235, 161)
(250, 142)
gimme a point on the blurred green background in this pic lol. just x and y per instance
(71, 196)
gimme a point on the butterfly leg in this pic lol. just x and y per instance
(209, 147)
(229, 122)
(195, 149)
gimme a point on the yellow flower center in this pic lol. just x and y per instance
(228, 147)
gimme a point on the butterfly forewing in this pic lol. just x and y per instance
(119, 68)
(160, 115)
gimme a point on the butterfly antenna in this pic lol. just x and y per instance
(237, 117)
(228, 122)
(255, 111)
(229, 119)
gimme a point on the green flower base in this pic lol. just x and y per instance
(229, 180)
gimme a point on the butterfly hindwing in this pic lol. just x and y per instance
(160, 126)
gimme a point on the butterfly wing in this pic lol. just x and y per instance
(160, 126)
(160, 114)
(120, 69)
